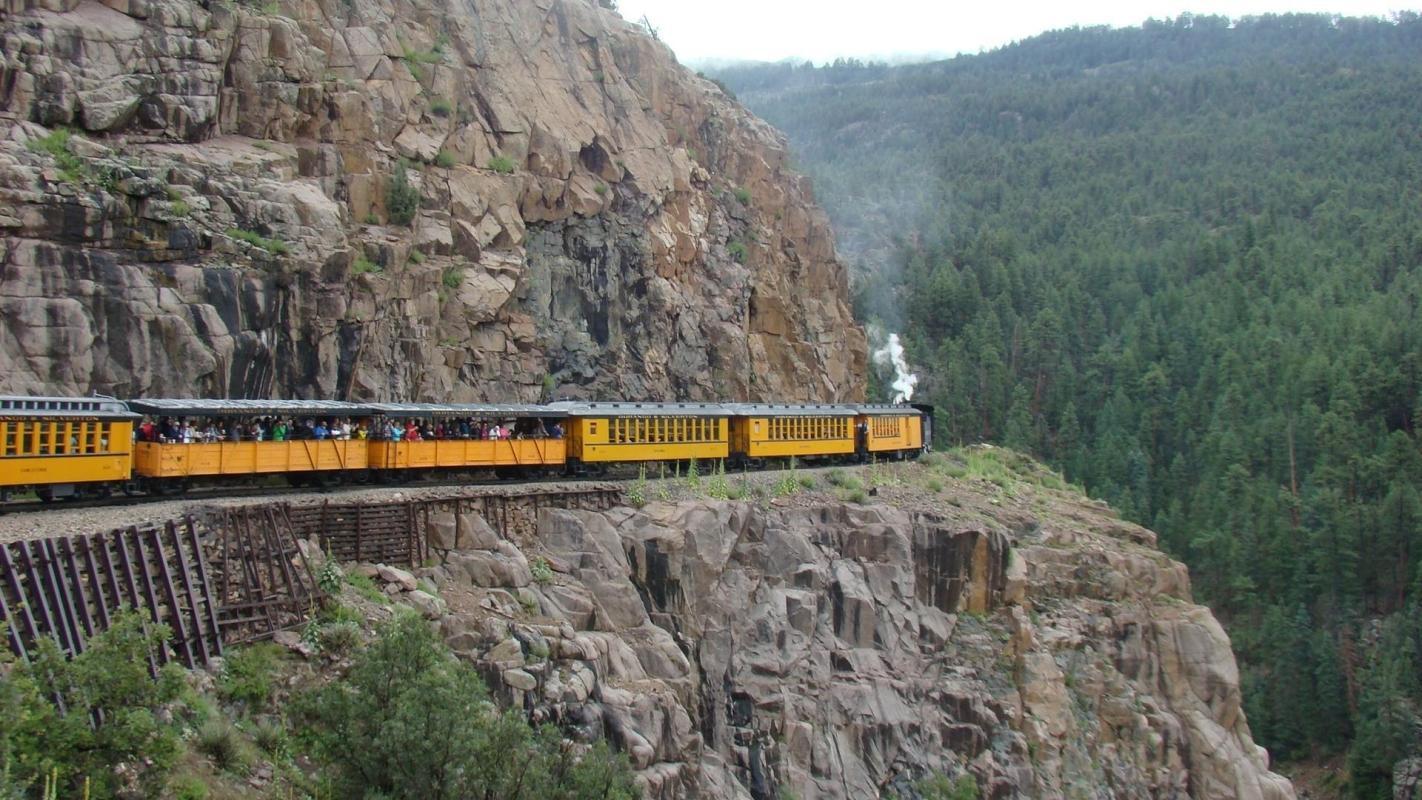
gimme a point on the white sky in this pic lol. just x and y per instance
(821, 30)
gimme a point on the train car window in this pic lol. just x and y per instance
(8, 430)
(27, 438)
(592, 428)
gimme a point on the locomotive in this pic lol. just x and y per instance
(89, 447)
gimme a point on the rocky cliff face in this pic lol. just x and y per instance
(575, 213)
(1021, 634)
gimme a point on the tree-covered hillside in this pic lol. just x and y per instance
(1184, 263)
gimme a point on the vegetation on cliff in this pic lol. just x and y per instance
(1182, 263)
(401, 719)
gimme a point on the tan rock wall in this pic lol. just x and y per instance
(588, 210)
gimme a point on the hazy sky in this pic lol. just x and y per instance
(822, 30)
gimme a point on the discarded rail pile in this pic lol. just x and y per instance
(229, 575)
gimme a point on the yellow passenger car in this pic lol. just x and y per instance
(891, 430)
(462, 439)
(169, 461)
(603, 432)
(799, 431)
(61, 446)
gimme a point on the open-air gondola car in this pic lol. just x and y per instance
(527, 437)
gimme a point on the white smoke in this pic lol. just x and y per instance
(904, 381)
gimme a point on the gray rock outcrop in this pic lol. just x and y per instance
(585, 216)
(845, 651)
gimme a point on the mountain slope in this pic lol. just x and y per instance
(421, 201)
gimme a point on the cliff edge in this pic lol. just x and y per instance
(367, 199)
(973, 618)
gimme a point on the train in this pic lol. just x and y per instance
(67, 447)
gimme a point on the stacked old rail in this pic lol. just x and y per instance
(230, 575)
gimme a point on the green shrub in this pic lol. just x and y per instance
(501, 164)
(431, 56)
(856, 496)
(333, 613)
(440, 107)
(329, 578)
(601, 189)
(364, 266)
(637, 492)
(542, 572)
(939, 787)
(743, 195)
(270, 736)
(372, 219)
(408, 721)
(737, 249)
(402, 200)
(807, 481)
(189, 787)
(339, 639)
(416, 257)
(247, 675)
(445, 159)
(221, 742)
(365, 587)
(786, 486)
(452, 278)
(109, 681)
(56, 145)
(273, 245)
(176, 205)
(718, 488)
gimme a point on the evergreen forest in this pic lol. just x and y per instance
(1181, 262)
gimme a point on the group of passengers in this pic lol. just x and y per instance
(413, 430)
(180, 430)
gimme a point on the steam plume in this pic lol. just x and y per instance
(904, 381)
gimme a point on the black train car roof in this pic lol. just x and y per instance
(175, 407)
(12, 406)
(477, 410)
(791, 410)
(582, 409)
(888, 410)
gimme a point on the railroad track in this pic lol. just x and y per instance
(245, 492)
